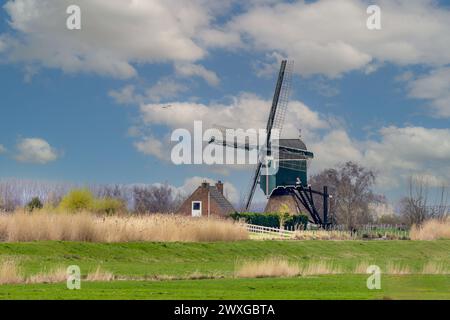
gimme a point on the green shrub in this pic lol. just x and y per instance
(77, 200)
(34, 204)
(272, 219)
(83, 199)
(267, 220)
(108, 206)
(299, 221)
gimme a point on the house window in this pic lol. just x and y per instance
(196, 208)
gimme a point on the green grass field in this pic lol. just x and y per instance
(146, 260)
(320, 287)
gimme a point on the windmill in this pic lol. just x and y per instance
(288, 184)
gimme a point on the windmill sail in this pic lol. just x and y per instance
(276, 117)
(252, 187)
(280, 99)
(283, 99)
(232, 141)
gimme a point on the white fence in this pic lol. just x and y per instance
(367, 232)
(269, 232)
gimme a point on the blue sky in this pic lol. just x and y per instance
(380, 98)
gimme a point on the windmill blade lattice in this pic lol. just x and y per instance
(283, 100)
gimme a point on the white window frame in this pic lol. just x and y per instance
(199, 212)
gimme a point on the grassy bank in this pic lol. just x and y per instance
(147, 259)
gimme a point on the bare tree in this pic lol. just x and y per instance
(351, 187)
(16, 193)
(442, 208)
(9, 199)
(116, 191)
(417, 206)
(155, 199)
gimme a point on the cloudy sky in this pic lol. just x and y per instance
(98, 105)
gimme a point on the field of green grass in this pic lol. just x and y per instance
(318, 287)
(148, 260)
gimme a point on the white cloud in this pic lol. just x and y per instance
(405, 76)
(331, 37)
(35, 150)
(114, 35)
(402, 152)
(269, 66)
(153, 146)
(164, 89)
(2, 149)
(190, 69)
(324, 88)
(334, 148)
(245, 111)
(434, 87)
(216, 38)
(324, 37)
(395, 153)
(126, 95)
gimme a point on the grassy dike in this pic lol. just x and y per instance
(146, 260)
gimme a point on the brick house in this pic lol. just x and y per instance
(207, 201)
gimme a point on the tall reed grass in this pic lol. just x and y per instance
(45, 225)
(280, 267)
(321, 267)
(433, 267)
(52, 276)
(270, 267)
(431, 230)
(397, 269)
(12, 273)
(323, 235)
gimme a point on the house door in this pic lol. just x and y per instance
(196, 208)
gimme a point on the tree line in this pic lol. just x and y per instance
(161, 198)
(354, 201)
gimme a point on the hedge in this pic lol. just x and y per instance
(272, 219)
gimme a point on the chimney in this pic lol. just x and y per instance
(205, 185)
(219, 186)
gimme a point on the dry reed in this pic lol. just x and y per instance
(43, 225)
(431, 230)
(320, 268)
(397, 269)
(53, 276)
(435, 268)
(100, 275)
(271, 267)
(10, 273)
(280, 267)
(361, 268)
(322, 235)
